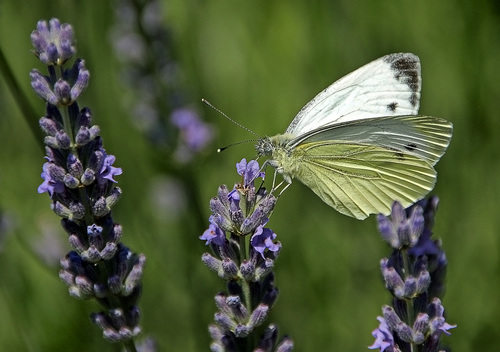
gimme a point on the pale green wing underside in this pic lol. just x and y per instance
(359, 180)
(423, 136)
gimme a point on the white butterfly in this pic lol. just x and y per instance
(359, 144)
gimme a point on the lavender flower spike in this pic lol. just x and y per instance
(413, 274)
(79, 177)
(243, 253)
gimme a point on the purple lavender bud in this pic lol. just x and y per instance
(48, 125)
(286, 345)
(247, 270)
(237, 309)
(225, 321)
(82, 136)
(230, 269)
(113, 197)
(84, 118)
(402, 230)
(221, 303)
(258, 316)
(56, 172)
(53, 42)
(76, 243)
(410, 287)
(85, 285)
(51, 142)
(268, 338)
(223, 222)
(115, 326)
(91, 254)
(81, 82)
(116, 233)
(393, 280)
(77, 210)
(61, 210)
(63, 141)
(62, 91)
(420, 327)
(250, 223)
(423, 282)
(242, 330)
(67, 277)
(437, 324)
(213, 263)
(396, 324)
(223, 197)
(100, 320)
(236, 219)
(264, 268)
(88, 177)
(215, 332)
(71, 182)
(100, 208)
(94, 131)
(41, 86)
(74, 166)
(109, 251)
(133, 279)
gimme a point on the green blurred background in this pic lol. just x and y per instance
(260, 62)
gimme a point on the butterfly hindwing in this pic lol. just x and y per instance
(359, 180)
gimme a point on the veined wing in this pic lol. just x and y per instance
(359, 180)
(388, 86)
(423, 136)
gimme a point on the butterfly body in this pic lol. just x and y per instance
(359, 144)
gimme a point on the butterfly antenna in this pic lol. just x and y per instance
(232, 144)
(206, 102)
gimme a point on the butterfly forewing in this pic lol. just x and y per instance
(388, 86)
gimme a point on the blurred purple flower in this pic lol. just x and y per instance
(194, 133)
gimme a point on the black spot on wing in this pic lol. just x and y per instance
(411, 147)
(392, 106)
(414, 99)
(399, 156)
(406, 68)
